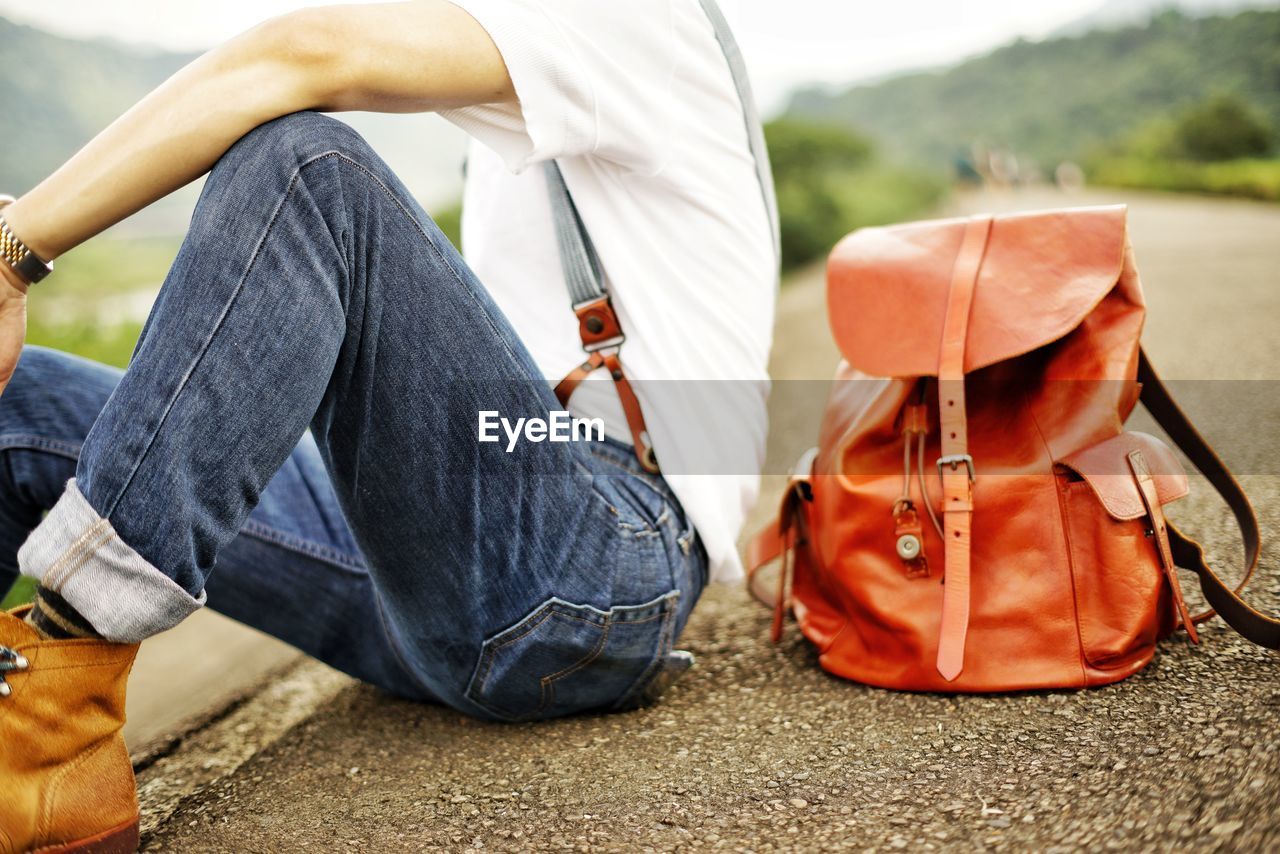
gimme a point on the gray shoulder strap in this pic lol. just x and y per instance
(750, 113)
(578, 256)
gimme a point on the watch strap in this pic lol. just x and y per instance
(26, 263)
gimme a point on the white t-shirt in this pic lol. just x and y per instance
(637, 103)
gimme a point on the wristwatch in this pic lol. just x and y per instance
(27, 264)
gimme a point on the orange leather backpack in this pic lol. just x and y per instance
(975, 516)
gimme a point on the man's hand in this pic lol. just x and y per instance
(13, 322)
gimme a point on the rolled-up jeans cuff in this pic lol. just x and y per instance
(77, 554)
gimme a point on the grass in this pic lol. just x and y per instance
(108, 343)
(21, 593)
(1245, 178)
(91, 306)
(887, 194)
(113, 265)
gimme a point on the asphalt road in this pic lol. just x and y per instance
(757, 749)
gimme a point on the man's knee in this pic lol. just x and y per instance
(290, 141)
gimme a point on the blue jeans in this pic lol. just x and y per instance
(313, 292)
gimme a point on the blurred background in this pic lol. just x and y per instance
(877, 113)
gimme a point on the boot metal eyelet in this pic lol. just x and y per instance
(10, 660)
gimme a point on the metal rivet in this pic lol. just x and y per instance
(908, 547)
(595, 324)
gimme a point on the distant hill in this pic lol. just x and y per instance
(58, 92)
(1121, 13)
(1058, 99)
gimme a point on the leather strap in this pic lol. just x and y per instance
(598, 324)
(1160, 533)
(630, 403)
(1187, 553)
(786, 537)
(607, 333)
(635, 418)
(955, 465)
(566, 387)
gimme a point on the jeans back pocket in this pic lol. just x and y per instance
(564, 658)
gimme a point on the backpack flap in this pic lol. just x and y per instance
(1041, 275)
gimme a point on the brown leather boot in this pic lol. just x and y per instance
(66, 783)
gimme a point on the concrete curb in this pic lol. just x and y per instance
(173, 769)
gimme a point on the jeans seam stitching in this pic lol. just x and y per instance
(435, 249)
(547, 684)
(90, 539)
(32, 442)
(484, 668)
(68, 569)
(204, 347)
(492, 651)
(595, 653)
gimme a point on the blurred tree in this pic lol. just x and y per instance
(807, 158)
(830, 181)
(806, 147)
(1062, 98)
(1221, 128)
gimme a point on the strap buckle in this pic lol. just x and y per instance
(954, 460)
(598, 324)
(613, 343)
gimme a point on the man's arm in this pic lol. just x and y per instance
(389, 57)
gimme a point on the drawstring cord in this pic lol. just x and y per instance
(907, 530)
(914, 429)
(924, 487)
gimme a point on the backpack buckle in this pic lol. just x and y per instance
(954, 460)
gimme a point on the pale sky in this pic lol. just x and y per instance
(786, 42)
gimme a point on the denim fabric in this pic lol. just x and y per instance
(313, 292)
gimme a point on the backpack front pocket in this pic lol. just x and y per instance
(1121, 593)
